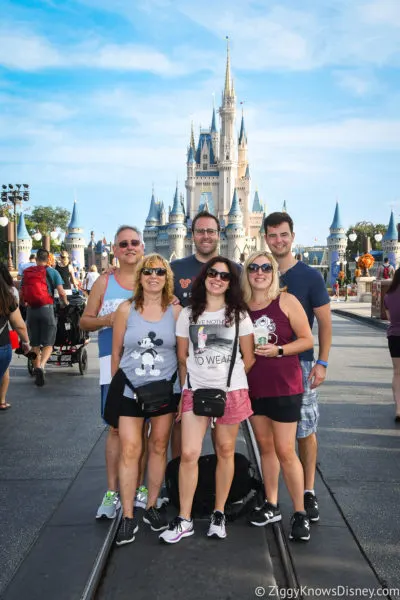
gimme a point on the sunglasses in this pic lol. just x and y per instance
(208, 231)
(159, 271)
(223, 275)
(126, 243)
(265, 268)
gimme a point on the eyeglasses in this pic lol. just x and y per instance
(265, 268)
(126, 243)
(206, 231)
(64, 255)
(159, 271)
(223, 275)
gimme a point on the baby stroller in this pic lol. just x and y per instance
(69, 347)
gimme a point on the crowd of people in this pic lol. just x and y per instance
(174, 340)
(199, 341)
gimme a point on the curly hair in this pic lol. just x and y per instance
(151, 260)
(234, 302)
(274, 290)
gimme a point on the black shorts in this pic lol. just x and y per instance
(394, 345)
(283, 409)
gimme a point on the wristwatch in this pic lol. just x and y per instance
(280, 352)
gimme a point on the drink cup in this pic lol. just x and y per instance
(261, 336)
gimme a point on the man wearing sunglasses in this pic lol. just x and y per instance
(66, 270)
(309, 288)
(106, 295)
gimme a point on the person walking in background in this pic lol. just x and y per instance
(107, 293)
(23, 266)
(37, 292)
(392, 305)
(66, 270)
(9, 313)
(385, 270)
(281, 332)
(209, 335)
(144, 358)
(308, 286)
(91, 276)
(336, 288)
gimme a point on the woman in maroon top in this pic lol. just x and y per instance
(281, 332)
(392, 305)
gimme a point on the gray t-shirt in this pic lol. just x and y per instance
(149, 349)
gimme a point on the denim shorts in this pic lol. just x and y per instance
(5, 359)
(309, 406)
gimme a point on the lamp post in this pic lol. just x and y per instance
(13, 194)
(306, 255)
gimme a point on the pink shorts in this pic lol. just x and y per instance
(237, 407)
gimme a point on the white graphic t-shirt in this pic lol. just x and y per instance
(210, 349)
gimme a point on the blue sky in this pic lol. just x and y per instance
(97, 96)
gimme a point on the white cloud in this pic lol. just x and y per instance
(381, 11)
(357, 82)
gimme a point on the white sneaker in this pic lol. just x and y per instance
(109, 506)
(177, 529)
(217, 525)
(141, 497)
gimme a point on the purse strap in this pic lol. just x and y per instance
(233, 355)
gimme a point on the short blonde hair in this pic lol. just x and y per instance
(168, 290)
(93, 268)
(274, 289)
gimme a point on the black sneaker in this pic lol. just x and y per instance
(39, 376)
(300, 530)
(268, 513)
(156, 518)
(311, 506)
(126, 531)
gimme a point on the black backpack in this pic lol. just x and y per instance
(242, 495)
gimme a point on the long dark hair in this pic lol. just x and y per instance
(233, 295)
(7, 299)
(395, 282)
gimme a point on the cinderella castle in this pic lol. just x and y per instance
(218, 180)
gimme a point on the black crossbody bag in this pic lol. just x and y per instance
(210, 402)
(153, 396)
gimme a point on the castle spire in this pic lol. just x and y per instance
(337, 222)
(153, 215)
(391, 233)
(242, 134)
(192, 145)
(257, 207)
(22, 232)
(228, 78)
(177, 206)
(213, 122)
(74, 223)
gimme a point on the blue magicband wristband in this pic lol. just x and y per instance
(322, 362)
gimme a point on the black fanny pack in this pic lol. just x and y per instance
(210, 402)
(155, 395)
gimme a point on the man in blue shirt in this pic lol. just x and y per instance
(308, 286)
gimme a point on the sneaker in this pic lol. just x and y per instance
(268, 513)
(109, 506)
(156, 518)
(39, 376)
(311, 506)
(141, 497)
(177, 529)
(126, 531)
(163, 499)
(217, 526)
(300, 530)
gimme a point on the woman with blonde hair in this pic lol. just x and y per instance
(90, 279)
(281, 332)
(144, 368)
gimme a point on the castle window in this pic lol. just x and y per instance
(315, 260)
(205, 166)
(205, 156)
(227, 157)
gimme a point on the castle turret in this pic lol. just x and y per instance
(190, 182)
(227, 146)
(74, 240)
(234, 230)
(262, 242)
(337, 243)
(390, 243)
(242, 150)
(176, 228)
(255, 217)
(215, 135)
(150, 232)
(24, 241)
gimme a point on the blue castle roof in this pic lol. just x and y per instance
(213, 123)
(153, 212)
(235, 208)
(242, 134)
(257, 204)
(205, 137)
(177, 206)
(337, 222)
(191, 156)
(247, 174)
(74, 223)
(391, 233)
(22, 232)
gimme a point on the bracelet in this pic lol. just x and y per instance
(322, 362)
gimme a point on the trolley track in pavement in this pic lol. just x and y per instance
(268, 544)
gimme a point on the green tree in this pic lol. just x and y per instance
(45, 219)
(363, 229)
